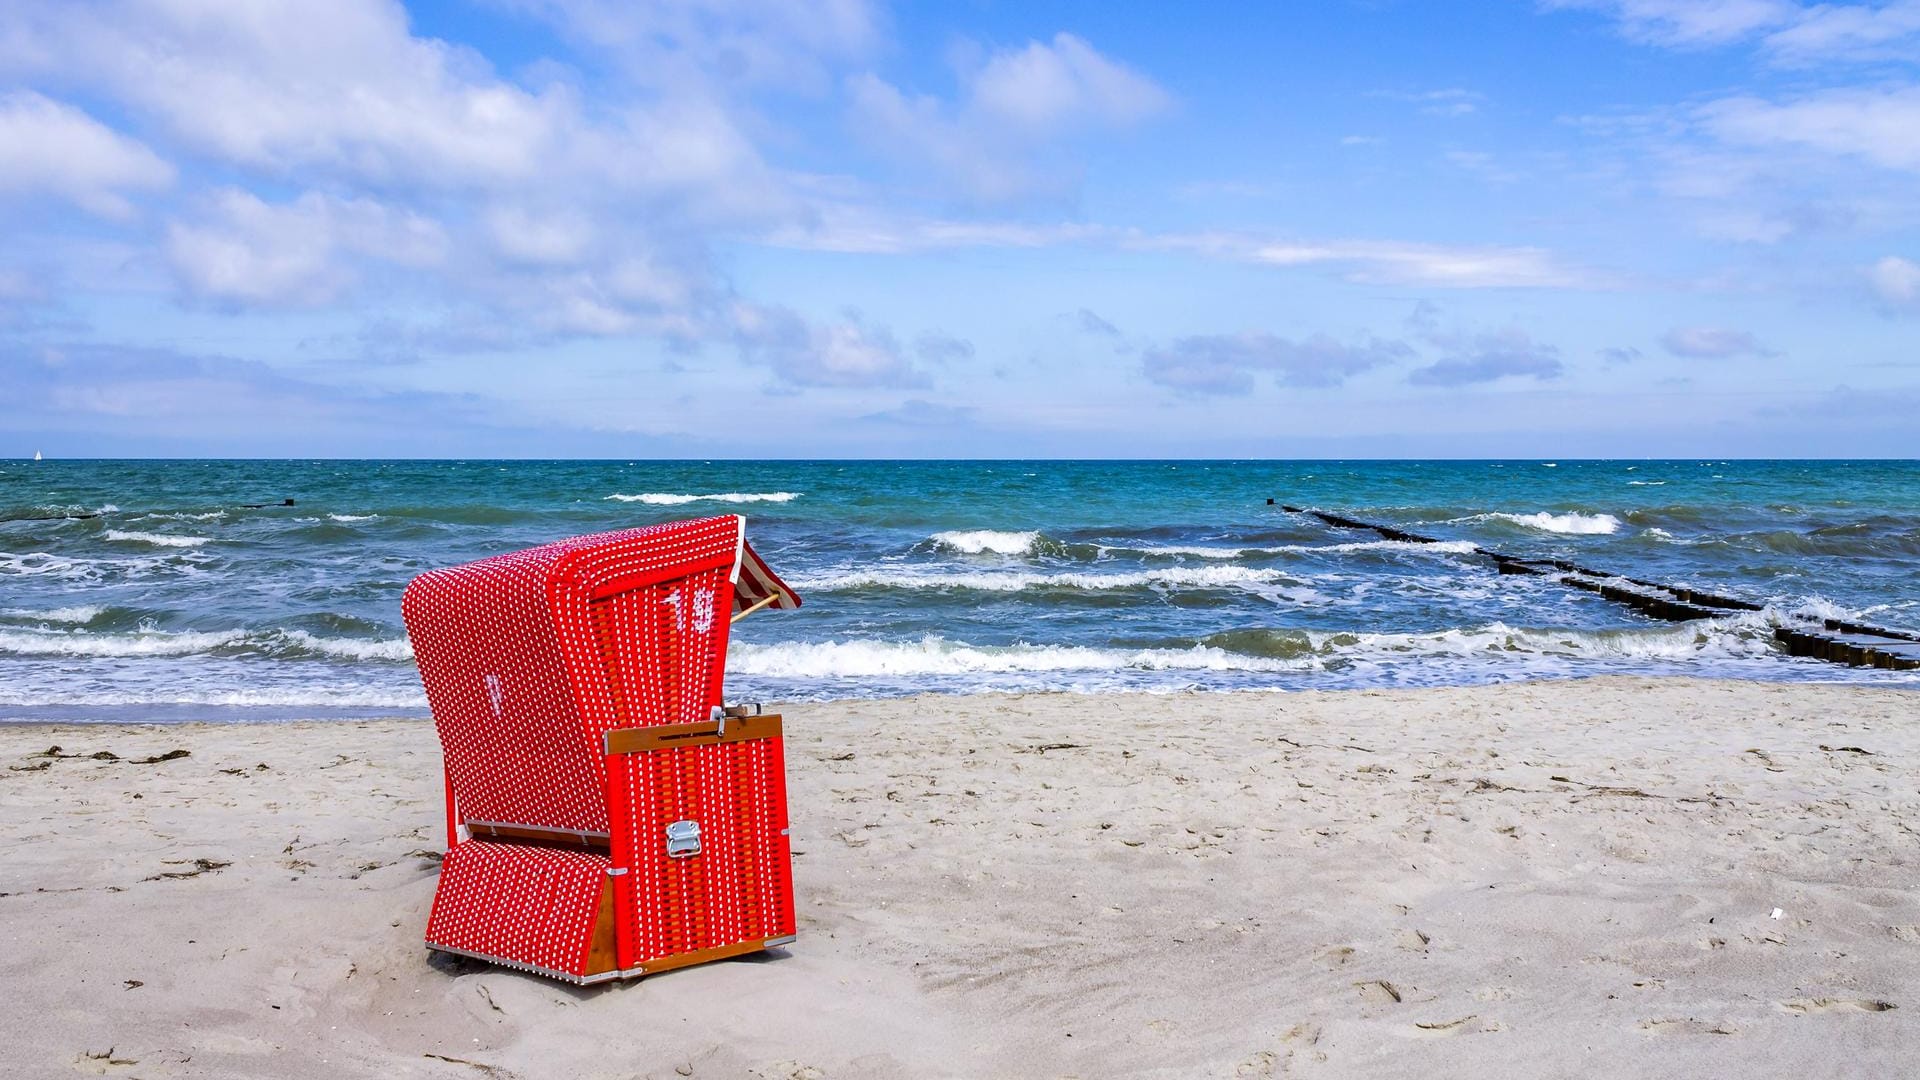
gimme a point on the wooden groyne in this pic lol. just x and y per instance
(1835, 640)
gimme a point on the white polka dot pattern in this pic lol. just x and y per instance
(513, 672)
(528, 659)
(519, 903)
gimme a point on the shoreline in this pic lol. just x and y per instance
(1859, 679)
(1480, 880)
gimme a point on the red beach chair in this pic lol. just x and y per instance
(619, 821)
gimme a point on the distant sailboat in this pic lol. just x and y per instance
(36, 455)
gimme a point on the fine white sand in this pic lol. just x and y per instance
(1533, 880)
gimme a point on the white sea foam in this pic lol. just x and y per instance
(983, 541)
(148, 641)
(313, 696)
(83, 613)
(1185, 577)
(1495, 643)
(39, 563)
(353, 648)
(1446, 547)
(351, 517)
(935, 655)
(1647, 483)
(1573, 523)
(659, 498)
(156, 539)
(136, 643)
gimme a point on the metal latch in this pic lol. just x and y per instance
(683, 839)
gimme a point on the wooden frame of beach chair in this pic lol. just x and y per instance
(618, 819)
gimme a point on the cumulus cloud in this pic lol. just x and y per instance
(1711, 343)
(248, 251)
(1896, 282)
(588, 220)
(747, 42)
(1227, 363)
(51, 148)
(1487, 357)
(284, 85)
(1012, 113)
(847, 353)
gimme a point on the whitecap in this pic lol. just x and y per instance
(353, 648)
(1570, 523)
(351, 517)
(82, 613)
(660, 498)
(1184, 577)
(1444, 547)
(934, 655)
(139, 643)
(156, 539)
(983, 541)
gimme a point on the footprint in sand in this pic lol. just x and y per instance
(1379, 992)
(1687, 1026)
(1470, 1024)
(1260, 1064)
(1808, 1006)
(1908, 934)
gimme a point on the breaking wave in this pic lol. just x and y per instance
(1576, 524)
(659, 498)
(986, 541)
(1448, 547)
(1196, 577)
(79, 614)
(1252, 651)
(149, 641)
(138, 643)
(156, 539)
(934, 655)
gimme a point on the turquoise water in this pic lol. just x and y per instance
(148, 584)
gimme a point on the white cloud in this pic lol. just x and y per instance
(558, 237)
(1711, 343)
(1881, 126)
(842, 354)
(1789, 32)
(51, 148)
(751, 42)
(283, 85)
(1044, 89)
(1395, 263)
(1226, 363)
(1896, 281)
(1014, 110)
(1690, 22)
(247, 251)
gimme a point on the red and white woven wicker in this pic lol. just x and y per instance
(619, 821)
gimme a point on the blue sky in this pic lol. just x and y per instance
(762, 228)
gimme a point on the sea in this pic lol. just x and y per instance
(270, 590)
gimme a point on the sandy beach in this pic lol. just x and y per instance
(1541, 879)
